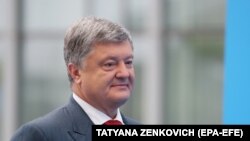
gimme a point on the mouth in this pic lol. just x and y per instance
(120, 85)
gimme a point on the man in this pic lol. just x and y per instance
(99, 59)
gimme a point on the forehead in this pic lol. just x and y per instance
(112, 49)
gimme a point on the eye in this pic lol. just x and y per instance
(129, 63)
(109, 65)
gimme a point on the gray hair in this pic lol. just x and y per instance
(85, 33)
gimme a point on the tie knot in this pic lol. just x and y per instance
(112, 122)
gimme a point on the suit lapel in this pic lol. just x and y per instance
(81, 124)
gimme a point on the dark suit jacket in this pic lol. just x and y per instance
(68, 123)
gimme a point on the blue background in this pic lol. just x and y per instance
(237, 63)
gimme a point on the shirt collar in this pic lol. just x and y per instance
(94, 114)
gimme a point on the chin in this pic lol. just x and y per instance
(121, 97)
(121, 102)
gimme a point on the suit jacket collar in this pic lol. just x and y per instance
(81, 123)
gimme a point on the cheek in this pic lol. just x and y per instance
(132, 75)
(104, 79)
(132, 80)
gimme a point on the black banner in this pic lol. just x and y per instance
(172, 132)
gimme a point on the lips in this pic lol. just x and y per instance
(119, 85)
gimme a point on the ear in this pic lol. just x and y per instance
(74, 72)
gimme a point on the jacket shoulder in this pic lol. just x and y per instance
(40, 128)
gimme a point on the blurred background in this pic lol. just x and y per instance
(179, 48)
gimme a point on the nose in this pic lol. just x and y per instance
(122, 71)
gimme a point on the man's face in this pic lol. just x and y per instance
(107, 76)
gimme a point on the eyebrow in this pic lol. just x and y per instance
(115, 58)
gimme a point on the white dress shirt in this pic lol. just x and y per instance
(95, 115)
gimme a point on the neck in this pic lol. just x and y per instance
(109, 111)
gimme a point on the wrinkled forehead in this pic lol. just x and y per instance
(112, 48)
(111, 43)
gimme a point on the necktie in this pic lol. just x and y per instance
(112, 122)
